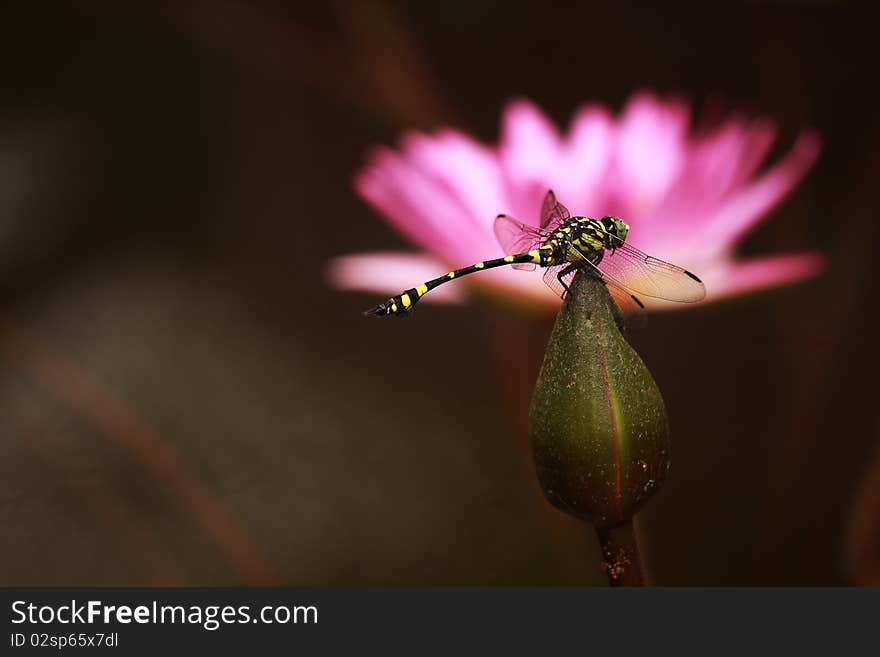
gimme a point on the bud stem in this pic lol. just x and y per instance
(620, 555)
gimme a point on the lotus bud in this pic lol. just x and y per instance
(597, 423)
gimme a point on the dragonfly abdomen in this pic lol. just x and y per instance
(403, 303)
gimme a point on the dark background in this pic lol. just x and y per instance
(184, 400)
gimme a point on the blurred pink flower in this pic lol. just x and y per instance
(688, 199)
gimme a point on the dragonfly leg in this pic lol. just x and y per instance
(565, 271)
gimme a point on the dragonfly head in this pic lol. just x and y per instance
(615, 228)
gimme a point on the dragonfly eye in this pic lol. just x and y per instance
(616, 227)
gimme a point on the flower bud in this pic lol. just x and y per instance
(597, 423)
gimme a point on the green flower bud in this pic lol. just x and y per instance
(597, 423)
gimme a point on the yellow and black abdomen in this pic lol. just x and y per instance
(403, 303)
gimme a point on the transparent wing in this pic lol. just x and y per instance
(551, 278)
(629, 303)
(553, 212)
(516, 237)
(649, 276)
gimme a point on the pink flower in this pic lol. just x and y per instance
(688, 199)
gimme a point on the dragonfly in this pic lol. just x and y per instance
(565, 245)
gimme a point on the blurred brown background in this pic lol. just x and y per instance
(183, 400)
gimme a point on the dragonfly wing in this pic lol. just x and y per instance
(649, 276)
(629, 303)
(624, 297)
(516, 237)
(553, 212)
(551, 278)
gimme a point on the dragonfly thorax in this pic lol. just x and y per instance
(579, 237)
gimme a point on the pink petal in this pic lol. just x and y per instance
(468, 171)
(746, 207)
(419, 206)
(716, 164)
(728, 279)
(529, 138)
(757, 141)
(391, 273)
(732, 153)
(588, 154)
(651, 151)
(749, 275)
(530, 156)
(375, 183)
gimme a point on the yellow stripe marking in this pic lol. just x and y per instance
(508, 258)
(451, 274)
(422, 289)
(394, 307)
(404, 299)
(536, 256)
(479, 265)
